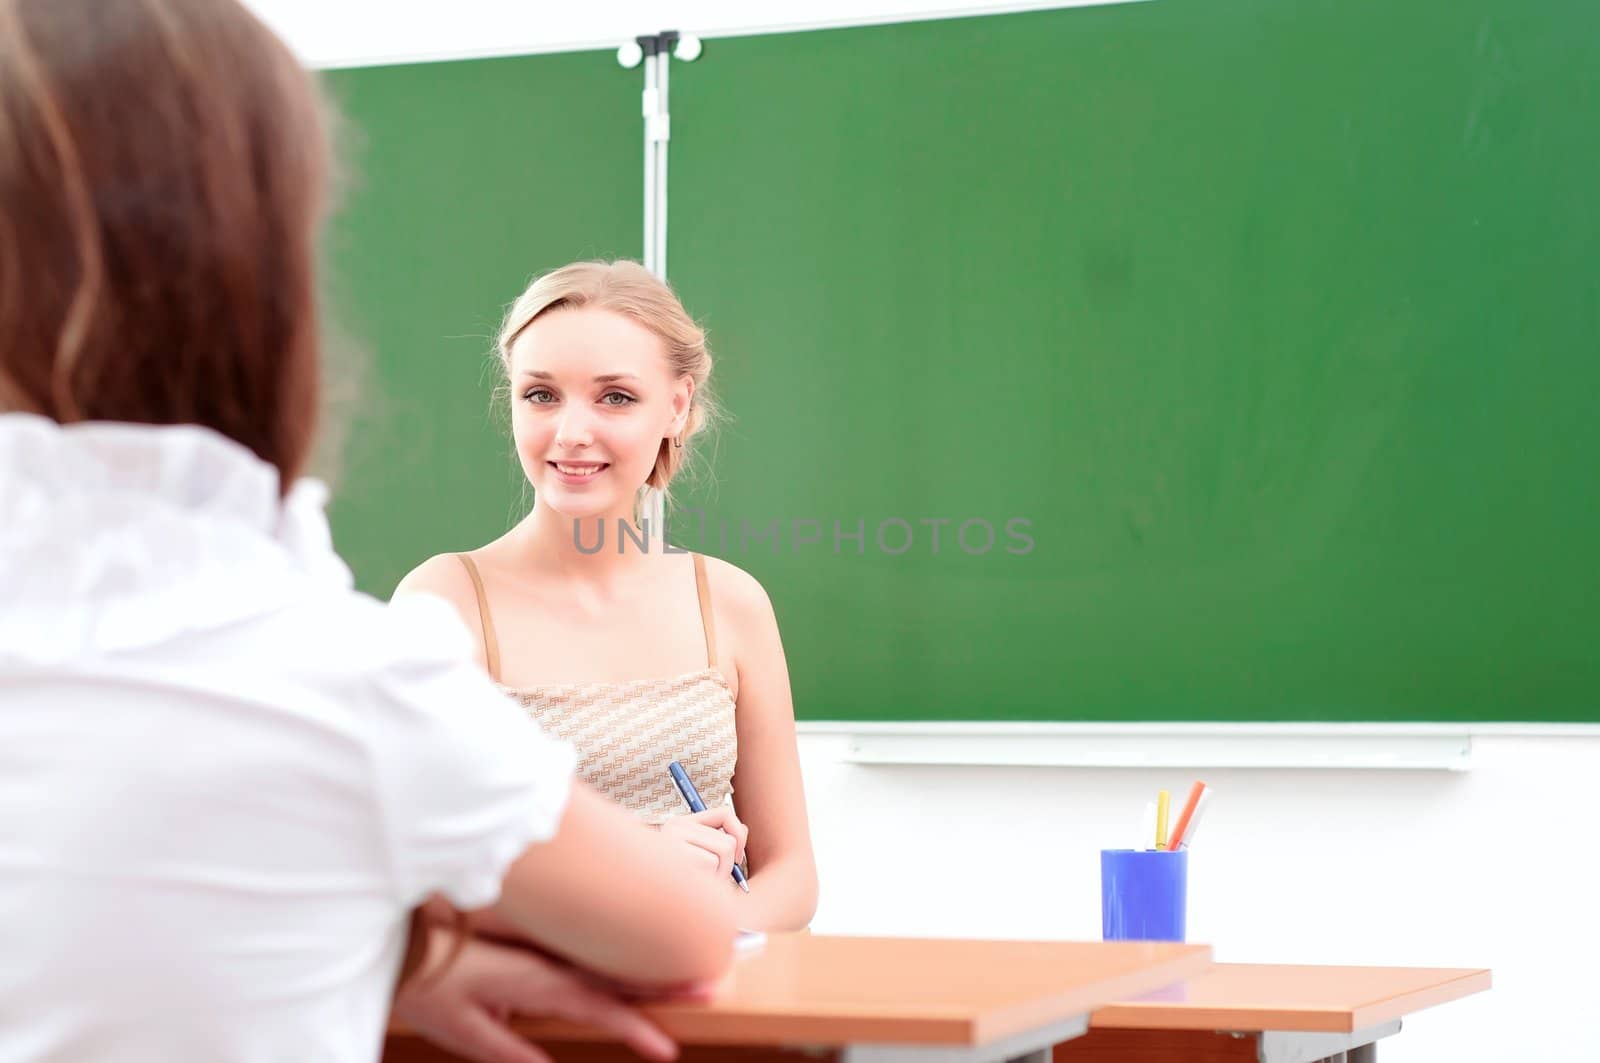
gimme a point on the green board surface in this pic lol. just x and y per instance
(1277, 323)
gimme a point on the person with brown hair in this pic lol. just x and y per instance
(637, 653)
(227, 781)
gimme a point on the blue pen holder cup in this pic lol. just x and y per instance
(1144, 894)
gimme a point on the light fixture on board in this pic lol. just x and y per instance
(688, 48)
(684, 46)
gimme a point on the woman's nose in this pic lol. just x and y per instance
(574, 429)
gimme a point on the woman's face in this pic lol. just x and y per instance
(592, 398)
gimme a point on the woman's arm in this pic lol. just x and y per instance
(768, 792)
(467, 1007)
(615, 897)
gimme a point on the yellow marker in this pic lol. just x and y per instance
(1163, 806)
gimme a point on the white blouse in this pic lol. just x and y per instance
(225, 777)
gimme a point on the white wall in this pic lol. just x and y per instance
(1494, 867)
(367, 32)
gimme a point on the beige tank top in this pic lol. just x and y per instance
(627, 733)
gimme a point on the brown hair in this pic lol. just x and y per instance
(163, 166)
(163, 176)
(627, 288)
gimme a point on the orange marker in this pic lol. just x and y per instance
(1182, 826)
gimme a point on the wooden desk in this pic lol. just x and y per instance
(886, 1000)
(1257, 1013)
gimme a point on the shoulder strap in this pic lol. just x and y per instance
(491, 645)
(706, 619)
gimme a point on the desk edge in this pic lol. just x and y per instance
(1161, 1016)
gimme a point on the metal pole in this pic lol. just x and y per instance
(663, 138)
(656, 52)
(649, 107)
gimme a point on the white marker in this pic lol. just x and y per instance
(1194, 820)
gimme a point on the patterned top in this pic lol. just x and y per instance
(627, 733)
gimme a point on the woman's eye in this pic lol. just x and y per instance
(616, 398)
(539, 396)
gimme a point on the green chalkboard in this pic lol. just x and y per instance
(463, 180)
(1279, 322)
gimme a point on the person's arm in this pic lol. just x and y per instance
(615, 897)
(466, 1007)
(768, 792)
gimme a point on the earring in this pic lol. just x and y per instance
(677, 441)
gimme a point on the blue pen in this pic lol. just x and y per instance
(692, 796)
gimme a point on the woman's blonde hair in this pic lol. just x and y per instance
(627, 288)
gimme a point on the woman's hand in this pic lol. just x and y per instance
(716, 836)
(467, 1008)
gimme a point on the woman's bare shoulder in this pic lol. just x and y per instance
(738, 595)
(445, 576)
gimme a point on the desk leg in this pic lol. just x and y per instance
(1041, 1055)
(1282, 1046)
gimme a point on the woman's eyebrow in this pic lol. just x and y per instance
(603, 378)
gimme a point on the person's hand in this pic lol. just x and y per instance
(467, 1008)
(716, 836)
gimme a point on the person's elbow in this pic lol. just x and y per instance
(802, 906)
(700, 948)
(807, 907)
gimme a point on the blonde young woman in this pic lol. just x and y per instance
(638, 654)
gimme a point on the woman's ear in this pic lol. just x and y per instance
(682, 400)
